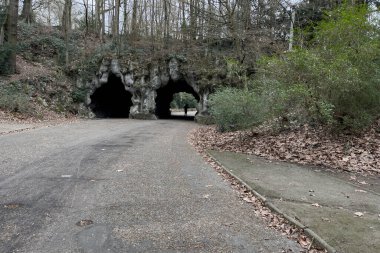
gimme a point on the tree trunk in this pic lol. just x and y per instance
(166, 21)
(291, 34)
(27, 13)
(103, 30)
(125, 25)
(3, 21)
(11, 35)
(134, 19)
(1, 35)
(66, 25)
(85, 3)
(152, 17)
(193, 20)
(116, 21)
(49, 13)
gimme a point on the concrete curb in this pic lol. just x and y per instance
(316, 238)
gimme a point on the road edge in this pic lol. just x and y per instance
(315, 237)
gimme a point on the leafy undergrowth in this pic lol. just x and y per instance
(359, 154)
(36, 92)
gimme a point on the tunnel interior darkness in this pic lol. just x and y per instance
(165, 96)
(111, 100)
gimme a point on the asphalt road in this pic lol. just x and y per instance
(120, 186)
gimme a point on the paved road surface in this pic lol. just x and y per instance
(139, 183)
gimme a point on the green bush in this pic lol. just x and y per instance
(181, 99)
(87, 65)
(235, 109)
(5, 51)
(38, 43)
(335, 82)
(13, 99)
(79, 95)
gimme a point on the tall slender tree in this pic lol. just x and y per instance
(66, 26)
(134, 18)
(27, 13)
(3, 19)
(116, 21)
(11, 35)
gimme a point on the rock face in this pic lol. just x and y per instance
(144, 83)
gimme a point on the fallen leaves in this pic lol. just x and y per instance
(206, 196)
(249, 199)
(326, 219)
(304, 241)
(273, 219)
(359, 214)
(304, 146)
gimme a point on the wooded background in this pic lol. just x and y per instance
(250, 26)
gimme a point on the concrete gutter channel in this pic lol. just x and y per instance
(317, 239)
(271, 206)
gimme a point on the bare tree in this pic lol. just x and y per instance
(66, 26)
(134, 18)
(11, 35)
(116, 21)
(27, 13)
(3, 19)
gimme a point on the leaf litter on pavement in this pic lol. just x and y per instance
(272, 219)
(305, 146)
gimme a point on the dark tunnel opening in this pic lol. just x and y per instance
(111, 100)
(165, 96)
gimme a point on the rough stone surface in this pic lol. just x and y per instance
(143, 84)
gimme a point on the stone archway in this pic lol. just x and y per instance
(165, 96)
(142, 92)
(111, 100)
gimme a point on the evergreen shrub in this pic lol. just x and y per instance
(335, 82)
(13, 99)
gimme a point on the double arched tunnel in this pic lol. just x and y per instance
(112, 100)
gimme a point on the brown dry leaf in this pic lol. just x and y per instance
(359, 214)
(326, 219)
(304, 241)
(304, 145)
(248, 199)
